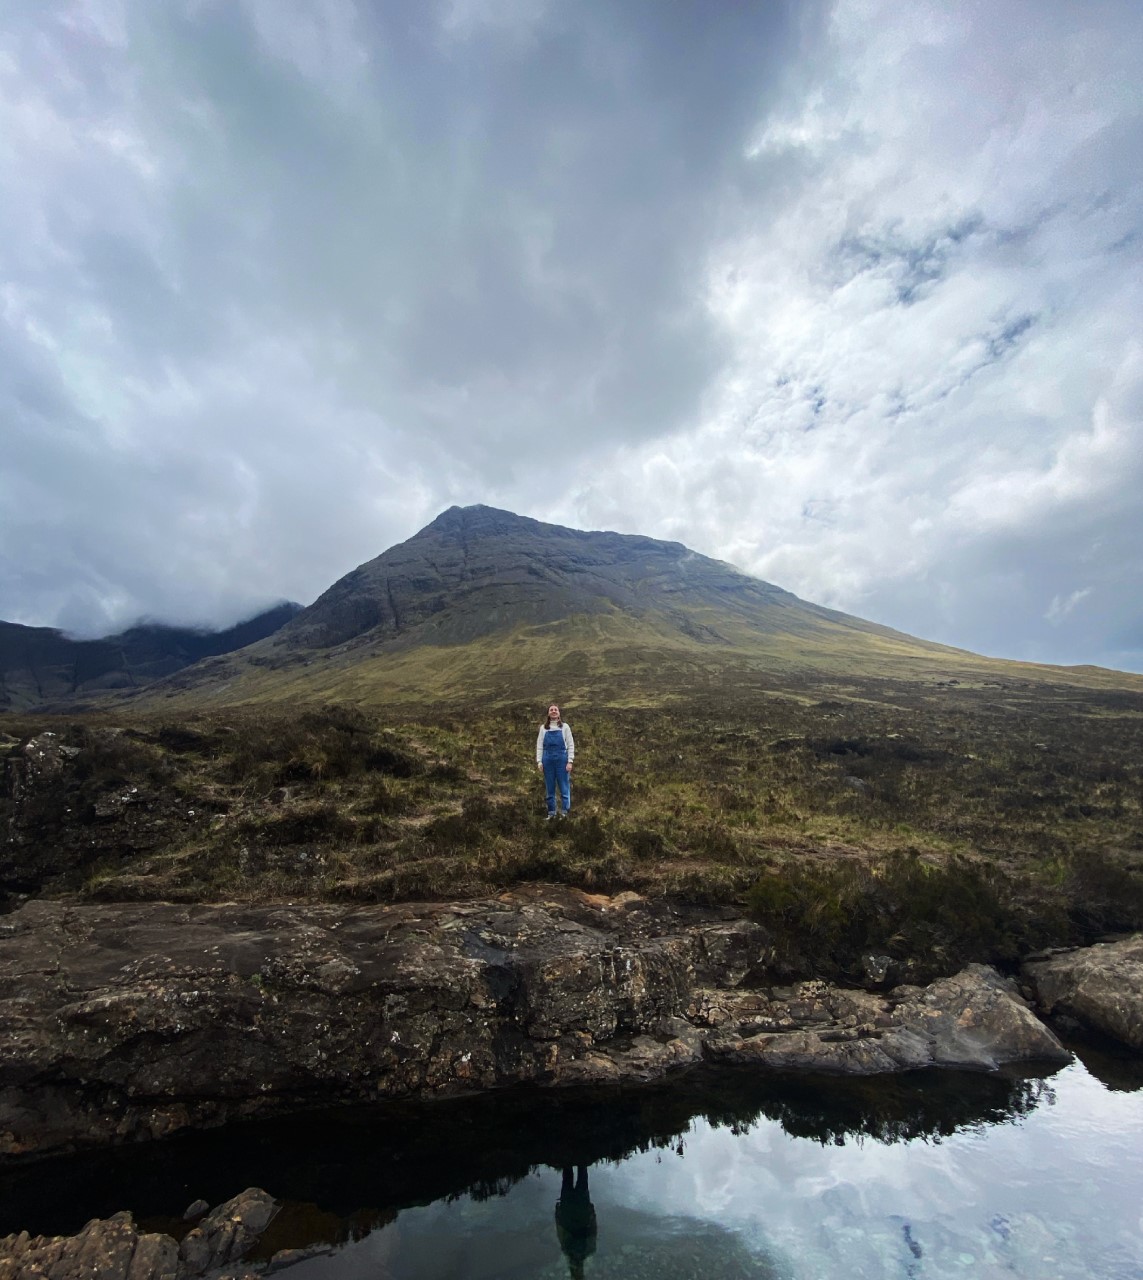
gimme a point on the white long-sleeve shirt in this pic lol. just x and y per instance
(569, 742)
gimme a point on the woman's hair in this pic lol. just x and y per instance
(546, 723)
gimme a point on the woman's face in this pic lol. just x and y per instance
(553, 712)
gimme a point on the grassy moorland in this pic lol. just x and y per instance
(609, 659)
(932, 820)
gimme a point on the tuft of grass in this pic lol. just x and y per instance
(309, 822)
(643, 843)
(823, 917)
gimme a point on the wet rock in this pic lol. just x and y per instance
(114, 1249)
(1100, 986)
(226, 1234)
(132, 1021)
(877, 970)
(106, 1249)
(730, 951)
(155, 1258)
(196, 1210)
(288, 1257)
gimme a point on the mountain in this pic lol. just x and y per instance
(486, 605)
(475, 571)
(40, 665)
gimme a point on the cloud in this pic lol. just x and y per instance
(1060, 607)
(844, 293)
(934, 402)
(454, 236)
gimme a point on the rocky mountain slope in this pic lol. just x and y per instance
(476, 570)
(486, 604)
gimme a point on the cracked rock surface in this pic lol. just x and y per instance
(130, 1021)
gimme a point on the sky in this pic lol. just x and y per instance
(848, 294)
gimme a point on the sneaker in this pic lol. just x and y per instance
(566, 813)
(549, 817)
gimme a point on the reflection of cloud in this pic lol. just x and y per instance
(840, 1210)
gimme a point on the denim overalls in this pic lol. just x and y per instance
(556, 770)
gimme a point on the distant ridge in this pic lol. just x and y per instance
(40, 665)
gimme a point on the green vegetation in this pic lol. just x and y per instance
(953, 821)
(610, 658)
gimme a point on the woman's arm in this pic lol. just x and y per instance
(569, 742)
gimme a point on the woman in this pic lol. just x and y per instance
(555, 751)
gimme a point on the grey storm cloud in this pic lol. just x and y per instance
(846, 293)
(513, 218)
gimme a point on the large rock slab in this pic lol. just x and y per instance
(126, 1022)
(1100, 986)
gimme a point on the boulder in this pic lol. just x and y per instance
(106, 1249)
(1100, 986)
(226, 1234)
(975, 1020)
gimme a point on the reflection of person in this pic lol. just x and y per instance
(575, 1220)
(555, 751)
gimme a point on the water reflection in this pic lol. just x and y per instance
(576, 1228)
(345, 1172)
(926, 1175)
(1050, 1193)
(1113, 1064)
(643, 1244)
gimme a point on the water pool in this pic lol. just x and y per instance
(925, 1175)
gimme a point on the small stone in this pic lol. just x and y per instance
(876, 969)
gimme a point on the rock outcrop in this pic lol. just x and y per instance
(124, 1022)
(114, 1248)
(974, 1020)
(1099, 986)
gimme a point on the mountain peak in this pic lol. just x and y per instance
(477, 518)
(478, 570)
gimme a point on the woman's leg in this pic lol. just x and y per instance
(565, 786)
(551, 776)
